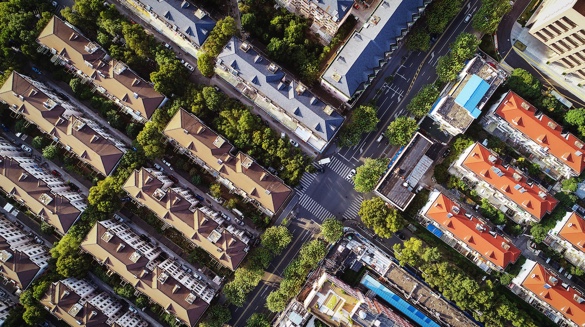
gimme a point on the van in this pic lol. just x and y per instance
(380, 138)
(324, 161)
(238, 212)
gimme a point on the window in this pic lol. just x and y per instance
(569, 22)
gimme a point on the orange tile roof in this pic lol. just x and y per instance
(495, 249)
(547, 288)
(544, 131)
(574, 231)
(512, 183)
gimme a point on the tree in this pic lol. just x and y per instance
(369, 173)
(231, 203)
(440, 13)
(448, 68)
(464, 47)
(312, 253)
(213, 99)
(137, 39)
(525, 84)
(421, 103)
(362, 120)
(38, 142)
(205, 64)
(332, 230)
(418, 39)
(114, 119)
(276, 301)
(409, 252)
(33, 315)
(215, 190)
(126, 291)
(259, 258)
(576, 117)
(217, 316)
(105, 195)
(538, 233)
(142, 301)
(401, 130)
(51, 151)
(46, 228)
(378, 216)
(170, 77)
(40, 289)
(276, 239)
(257, 320)
(133, 129)
(245, 280)
(570, 185)
(150, 139)
(249, 21)
(488, 16)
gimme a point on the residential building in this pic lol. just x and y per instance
(140, 264)
(185, 19)
(370, 47)
(505, 187)
(86, 59)
(176, 207)
(568, 238)
(528, 130)
(239, 173)
(285, 99)
(462, 101)
(62, 122)
(559, 301)
(45, 195)
(79, 303)
(327, 16)
(406, 169)
(560, 24)
(469, 235)
(6, 306)
(21, 258)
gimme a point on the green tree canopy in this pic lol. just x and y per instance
(525, 84)
(464, 47)
(151, 141)
(105, 195)
(276, 238)
(401, 130)
(245, 280)
(421, 103)
(217, 316)
(257, 320)
(277, 301)
(205, 64)
(332, 230)
(576, 117)
(213, 99)
(418, 39)
(448, 68)
(38, 142)
(409, 252)
(171, 75)
(369, 173)
(362, 120)
(378, 216)
(489, 15)
(51, 151)
(440, 12)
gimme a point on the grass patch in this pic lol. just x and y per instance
(528, 12)
(331, 302)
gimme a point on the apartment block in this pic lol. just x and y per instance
(559, 301)
(568, 238)
(178, 208)
(327, 15)
(77, 302)
(62, 122)
(239, 173)
(469, 235)
(560, 24)
(506, 187)
(86, 59)
(283, 98)
(22, 258)
(527, 129)
(6, 306)
(142, 265)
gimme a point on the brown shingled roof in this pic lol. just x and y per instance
(18, 267)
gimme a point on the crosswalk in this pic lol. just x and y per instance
(305, 182)
(340, 168)
(354, 207)
(314, 208)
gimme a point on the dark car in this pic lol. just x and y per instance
(199, 198)
(55, 173)
(400, 235)
(446, 153)
(62, 96)
(173, 178)
(74, 187)
(4, 128)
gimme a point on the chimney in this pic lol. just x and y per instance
(120, 247)
(176, 288)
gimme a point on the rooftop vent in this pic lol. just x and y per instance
(214, 236)
(455, 209)
(200, 14)
(75, 309)
(492, 158)
(163, 277)
(300, 89)
(49, 104)
(245, 46)
(120, 247)
(5, 255)
(219, 141)
(78, 124)
(91, 47)
(107, 236)
(73, 36)
(542, 195)
(273, 68)
(552, 125)
(525, 105)
(94, 139)
(553, 280)
(257, 59)
(45, 199)
(135, 256)
(578, 298)
(158, 194)
(191, 298)
(579, 144)
(336, 77)
(176, 288)
(119, 68)
(505, 246)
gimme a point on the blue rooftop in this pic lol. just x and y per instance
(437, 232)
(397, 302)
(471, 95)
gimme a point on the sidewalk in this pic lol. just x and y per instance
(537, 54)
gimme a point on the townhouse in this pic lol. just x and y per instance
(507, 188)
(176, 207)
(467, 234)
(80, 303)
(558, 152)
(239, 173)
(152, 273)
(568, 238)
(5, 308)
(283, 98)
(113, 79)
(22, 259)
(62, 122)
(327, 16)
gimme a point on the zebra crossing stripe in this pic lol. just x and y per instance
(353, 209)
(314, 208)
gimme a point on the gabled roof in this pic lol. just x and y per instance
(187, 18)
(61, 122)
(190, 133)
(337, 9)
(472, 231)
(574, 231)
(36, 195)
(522, 116)
(510, 182)
(548, 288)
(303, 106)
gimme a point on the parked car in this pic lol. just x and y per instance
(446, 153)
(158, 167)
(467, 18)
(351, 174)
(189, 67)
(26, 148)
(400, 235)
(199, 198)
(4, 128)
(56, 173)
(168, 46)
(173, 178)
(294, 143)
(74, 187)
(166, 162)
(36, 70)
(226, 217)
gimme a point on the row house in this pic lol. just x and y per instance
(22, 259)
(6, 306)
(140, 264)
(283, 98)
(507, 188)
(77, 302)
(568, 237)
(112, 78)
(518, 122)
(239, 173)
(467, 234)
(62, 122)
(178, 208)
(327, 15)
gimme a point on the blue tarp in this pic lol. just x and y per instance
(397, 302)
(472, 94)
(434, 230)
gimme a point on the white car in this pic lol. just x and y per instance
(189, 67)
(293, 143)
(351, 174)
(167, 163)
(26, 148)
(467, 18)
(158, 167)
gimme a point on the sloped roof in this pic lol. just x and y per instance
(574, 231)
(304, 106)
(59, 212)
(548, 288)
(190, 133)
(337, 9)
(521, 115)
(509, 182)
(19, 267)
(495, 249)
(365, 49)
(472, 94)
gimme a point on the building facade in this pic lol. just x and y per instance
(327, 15)
(568, 238)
